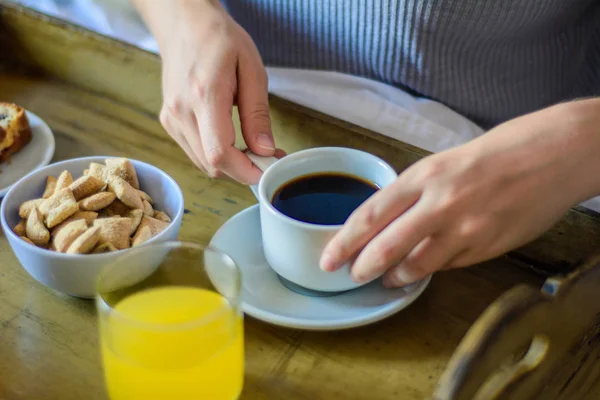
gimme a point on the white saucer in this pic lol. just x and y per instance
(36, 154)
(264, 296)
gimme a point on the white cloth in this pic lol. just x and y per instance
(373, 105)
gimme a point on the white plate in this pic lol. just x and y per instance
(264, 297)
(36, 154)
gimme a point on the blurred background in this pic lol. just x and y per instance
(115, 18)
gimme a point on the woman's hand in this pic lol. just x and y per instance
(476, 201)
(209, 64)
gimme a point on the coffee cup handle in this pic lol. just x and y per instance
(262, 163)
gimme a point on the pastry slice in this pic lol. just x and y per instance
(15, 131)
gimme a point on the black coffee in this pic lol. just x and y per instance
(323, 198)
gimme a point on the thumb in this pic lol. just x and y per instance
(253, 105)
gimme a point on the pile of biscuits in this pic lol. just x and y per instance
(102, 211)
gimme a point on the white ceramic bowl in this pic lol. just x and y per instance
(76, 275)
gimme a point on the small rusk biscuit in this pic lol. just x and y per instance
(68, 234)
(142, 235)
(114, 230)
(97, 202)
(117, 208)
(86, 242)
(153, 225)
(86, 186)
(50, 187)
(25, 238)
(35, 229)
(125, 192)
(162, 216)
(98, 171)
(104, 248)
(61, 196)
(57, 208)
(124, 169)
(147, 209)
(26, 207)
(19, 228)
(136, 218)
(87, 216)
(63, 181)
(146, 196)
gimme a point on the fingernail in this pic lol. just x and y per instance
(265, 141)
(327, 262)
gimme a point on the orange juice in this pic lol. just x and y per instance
(173, 343)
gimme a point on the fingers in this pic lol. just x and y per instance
(207, 136)
(195, 142)
(175, 130)
(279, 153)
(432, 254)
(253, 104)
(217, 136)
(393, 243)
(366, 222)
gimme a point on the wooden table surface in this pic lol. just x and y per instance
(48, 342)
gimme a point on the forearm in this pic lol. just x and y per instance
(162, 16)
(559, 145)
(157, 16)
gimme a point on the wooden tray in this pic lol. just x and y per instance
(101, 96)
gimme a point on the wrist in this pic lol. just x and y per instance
(157, 17)
(164, 18)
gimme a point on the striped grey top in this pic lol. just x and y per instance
(490, 60)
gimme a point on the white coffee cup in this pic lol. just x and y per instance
(293, 248)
